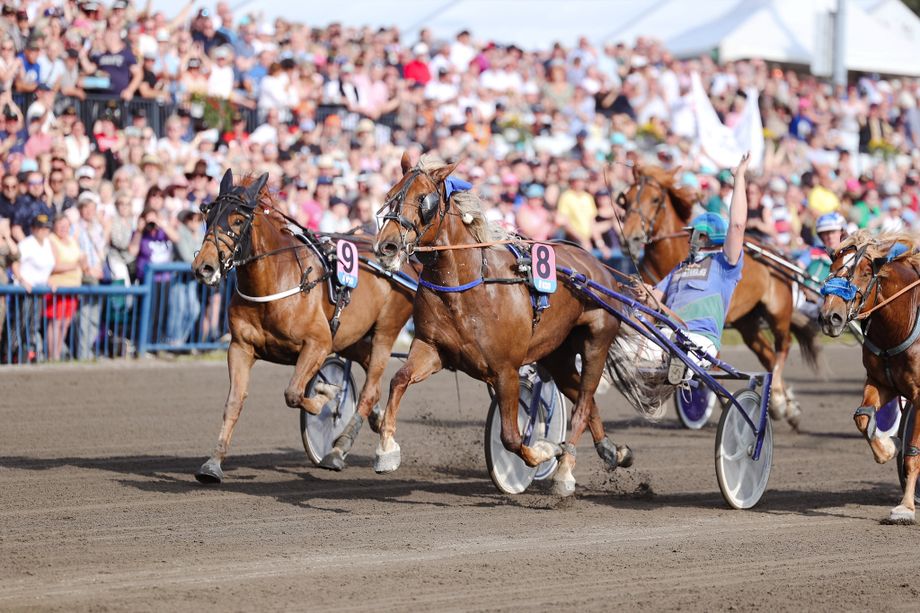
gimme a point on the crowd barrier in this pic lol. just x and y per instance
(170, 311)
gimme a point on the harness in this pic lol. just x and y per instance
(428, 205)
(239, 244)
(845, 289)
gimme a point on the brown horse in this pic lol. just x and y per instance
(657, 211)
(867, 278)
(290, 322)
(489, 329)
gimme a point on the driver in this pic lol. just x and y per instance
(700, 288)
(831, 229)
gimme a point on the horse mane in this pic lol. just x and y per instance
(468, 205)
(682, 196)
(879, 245)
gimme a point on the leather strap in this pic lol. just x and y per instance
(872, 427)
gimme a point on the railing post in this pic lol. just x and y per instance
(143, 335)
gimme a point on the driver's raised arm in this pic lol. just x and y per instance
(737, 215)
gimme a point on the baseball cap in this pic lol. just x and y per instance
(725, 177)
(41, 221)
(85, 172)
(535, 190)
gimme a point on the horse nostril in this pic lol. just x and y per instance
(837, 319)
(205, 271)
(387, 248)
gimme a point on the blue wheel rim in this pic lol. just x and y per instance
(695, 403)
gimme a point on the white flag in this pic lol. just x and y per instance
(720, 143)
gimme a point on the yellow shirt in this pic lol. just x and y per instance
(580, 211)
(822, 201)
(67, 252)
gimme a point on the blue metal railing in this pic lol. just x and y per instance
(170, 311)
(181, 314)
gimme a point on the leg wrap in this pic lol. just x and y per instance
(568, 448)
(870, 413)
(350, 433)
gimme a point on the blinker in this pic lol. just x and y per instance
(428, 207)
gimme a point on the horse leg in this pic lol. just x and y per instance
(561, 365)
(239, 362)
(874, 396)
(308, 363)
(423, 361)
(373, 355)
(905, 512)
(780, 324)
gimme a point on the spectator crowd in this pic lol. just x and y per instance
(546, 136)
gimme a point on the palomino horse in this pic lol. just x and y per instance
(874, 280)
(474, 313)
(657, 211)
(290, 321)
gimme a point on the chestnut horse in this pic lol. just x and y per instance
(290, 323)
(657, 211)
(473, 313)
(870, 282)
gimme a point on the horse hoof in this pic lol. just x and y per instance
(564, 487)
(901, 515)
(794, 417)
(334, 460)
(608, 453)
(375, 418)
(387, 461)
(624, 456)
(210, 473)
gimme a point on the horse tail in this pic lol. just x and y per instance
(805, 332)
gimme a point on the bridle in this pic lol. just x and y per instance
(647, 224)
(238, 243)
(842, 286)
(427, 205)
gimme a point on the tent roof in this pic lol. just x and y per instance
(776, 30)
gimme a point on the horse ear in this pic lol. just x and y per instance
(637, 171)
(256, 188)
(405, 162)
(227, 182)
(443, 172)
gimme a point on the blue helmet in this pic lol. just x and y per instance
(829, 222)
(712, 225)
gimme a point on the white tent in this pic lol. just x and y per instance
(882, 35)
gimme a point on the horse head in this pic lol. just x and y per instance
(413, 212)
(654, 204)
(854, 284)
(229, 218)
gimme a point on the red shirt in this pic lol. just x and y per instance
(417, 71)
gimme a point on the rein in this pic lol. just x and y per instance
(910, 286)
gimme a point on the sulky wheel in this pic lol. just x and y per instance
(742, 479)
(694, 406)
(320, 431)
(907, 428)
(508, 472)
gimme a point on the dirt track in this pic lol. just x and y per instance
(99, 509)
